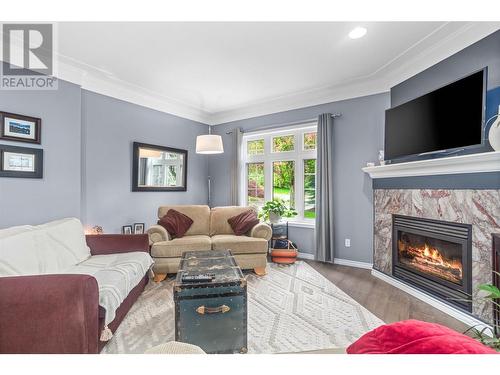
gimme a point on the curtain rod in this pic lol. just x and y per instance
(334, 115)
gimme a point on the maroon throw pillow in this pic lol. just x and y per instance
(243, 222)
(176, 223)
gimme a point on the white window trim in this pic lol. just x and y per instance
(298, 156)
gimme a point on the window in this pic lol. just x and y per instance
(255, 186)
(284, 182)
(255, 147)
(281, 164)
(309, 188)
(310, 141)
(283, 143)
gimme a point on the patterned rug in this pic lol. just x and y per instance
(291, 309)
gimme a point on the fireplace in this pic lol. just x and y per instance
(434, 256)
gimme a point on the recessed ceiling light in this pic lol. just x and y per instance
(357, 32)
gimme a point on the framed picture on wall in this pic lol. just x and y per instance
(127, 229)
(20, 128)
(21, 162)
(138, 228)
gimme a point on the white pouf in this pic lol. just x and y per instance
(174, 347)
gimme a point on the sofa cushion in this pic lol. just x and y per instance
(116, 275)
(67, 237)
(219, 218)
(19, 253)
(200, 215)
(242, 223)
(42, 249)
(239, 244)
(176, 223)
(177, 246)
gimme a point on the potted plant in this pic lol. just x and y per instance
(489, 336)
(274, 210)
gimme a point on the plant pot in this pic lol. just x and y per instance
(274, 218)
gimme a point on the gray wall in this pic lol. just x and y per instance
(34, 201)
(109, 128)
(358, 137)
(87, 142)
(485, 52)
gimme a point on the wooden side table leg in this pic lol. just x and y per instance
(159, 277)
(260, 271)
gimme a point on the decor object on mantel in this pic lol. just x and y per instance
(274, 210)
(473, 163)
(494, 133)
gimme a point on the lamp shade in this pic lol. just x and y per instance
(209, 144)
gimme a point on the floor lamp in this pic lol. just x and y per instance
(209, 144)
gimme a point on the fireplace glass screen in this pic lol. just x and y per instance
(430, 256)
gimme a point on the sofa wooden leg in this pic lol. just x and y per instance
(260, 271)
(159, 277)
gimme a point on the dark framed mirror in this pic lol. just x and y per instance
(158, 168)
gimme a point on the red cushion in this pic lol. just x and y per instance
(243, 222)
(176, 223)
(416, 337)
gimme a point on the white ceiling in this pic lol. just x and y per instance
(218, 72)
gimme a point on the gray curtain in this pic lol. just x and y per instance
(236, 137)
(325, 240)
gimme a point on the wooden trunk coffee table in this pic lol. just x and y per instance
(211, 314)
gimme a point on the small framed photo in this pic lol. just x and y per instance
(20, 128)
(21, 162)
(138, 228)
(127, 229)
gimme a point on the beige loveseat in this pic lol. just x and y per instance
(210, 231)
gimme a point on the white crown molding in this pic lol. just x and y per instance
(437, 46)
(95, 81)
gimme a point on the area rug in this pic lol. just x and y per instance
(291, 309)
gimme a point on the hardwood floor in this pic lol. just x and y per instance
(384, 300)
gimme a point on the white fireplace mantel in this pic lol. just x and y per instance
(474, 163)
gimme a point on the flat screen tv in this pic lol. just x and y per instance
(448, 119)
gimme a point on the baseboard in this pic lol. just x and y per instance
(434, 302)
(342, 262)
(353, 263)
(305, 256)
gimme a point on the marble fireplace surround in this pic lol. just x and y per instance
(480, 208)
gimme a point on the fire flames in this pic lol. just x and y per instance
(428, 259)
